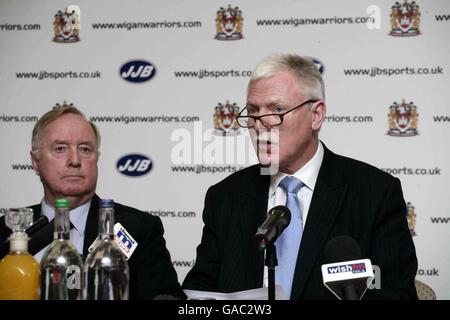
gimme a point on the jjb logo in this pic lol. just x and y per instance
(137, 71)
(319, 64)
(134, 165)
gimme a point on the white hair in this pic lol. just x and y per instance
(303, 69)
(55, 113)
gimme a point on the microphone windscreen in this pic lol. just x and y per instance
(342, 248)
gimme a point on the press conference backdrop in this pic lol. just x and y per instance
(163, 81)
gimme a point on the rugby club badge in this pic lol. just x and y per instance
(225, 123)
(405, 19)
(411, 216)
(229, 24)
(66, 25)
(403, 119)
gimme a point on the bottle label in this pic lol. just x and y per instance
(124, 240)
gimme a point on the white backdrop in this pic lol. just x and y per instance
(366, 71)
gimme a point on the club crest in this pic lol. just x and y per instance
(403, 119)
(229, 24)
(405, 19)
(64, 105)
(225, 123)
(66, 25)
(411, 217)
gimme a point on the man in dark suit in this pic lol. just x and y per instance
(334, 196)
(64, 155)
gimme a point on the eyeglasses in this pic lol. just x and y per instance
(267, 120)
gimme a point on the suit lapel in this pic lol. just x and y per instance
(91, 230)
(325, 204)
(253, 210)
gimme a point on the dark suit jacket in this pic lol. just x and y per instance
(350, 198)
(151, 269)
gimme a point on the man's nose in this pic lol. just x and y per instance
(74, 158)
(260, 126)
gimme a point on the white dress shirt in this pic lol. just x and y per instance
(78, 217)
(308, 175)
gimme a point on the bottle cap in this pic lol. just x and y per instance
(62, 203)
(18, 244)
(106, 203)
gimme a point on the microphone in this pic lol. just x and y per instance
(278, 218)
(37, 225)
(346, 275)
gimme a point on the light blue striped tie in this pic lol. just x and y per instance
(289, 242)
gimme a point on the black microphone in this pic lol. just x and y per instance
(278, 218)
(36, 226)
(342, 248)
(345, 273)
(41, 238)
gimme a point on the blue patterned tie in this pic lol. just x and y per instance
(289, 242)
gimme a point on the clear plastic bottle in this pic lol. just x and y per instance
(61, 264)
(19, 271)
(105, 273)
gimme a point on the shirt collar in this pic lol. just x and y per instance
(307, 174)
(78, 216)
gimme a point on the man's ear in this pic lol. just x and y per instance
(34, 162)
(319, 111)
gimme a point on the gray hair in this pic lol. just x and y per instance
(52, 115)
(303, 69)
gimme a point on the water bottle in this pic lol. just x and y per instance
(105, 273)
(61, 265)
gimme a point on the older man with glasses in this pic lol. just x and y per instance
(328, 195)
